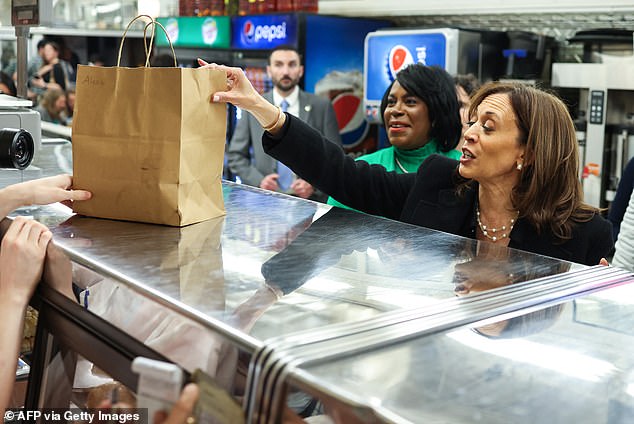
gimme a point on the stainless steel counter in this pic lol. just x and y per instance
(569, 362)
(279, 272)
(333, 267)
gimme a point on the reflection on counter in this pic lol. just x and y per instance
(561, 370)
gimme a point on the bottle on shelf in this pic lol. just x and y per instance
(216, 7)
(185, 8)
(286, 5)
(312, 6)
(266, 6)
(231, 7)
(243, 7)
(204, 7)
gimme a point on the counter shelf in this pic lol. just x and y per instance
(277, 373)
(566, 361)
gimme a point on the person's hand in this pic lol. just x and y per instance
(182, 409)
(44, 69)
(269, 182)
(302, 188)
(604, 262)
(241, 93)
(47, 190)
(22, 258)
(239, 90)
(38, 82)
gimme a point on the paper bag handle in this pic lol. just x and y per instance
(148, 50)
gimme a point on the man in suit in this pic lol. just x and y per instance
(245, 155)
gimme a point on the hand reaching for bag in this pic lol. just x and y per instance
(42, 192)
(239, 90)
(241, 93)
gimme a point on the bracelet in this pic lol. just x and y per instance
(278, 293)
(275, 123)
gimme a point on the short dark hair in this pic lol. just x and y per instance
(434, 86)
(468, 82)
(52, 43)
(6, 80)
(284, 47)
(41, 43)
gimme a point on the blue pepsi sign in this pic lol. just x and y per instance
(387, 52)
(263, 32)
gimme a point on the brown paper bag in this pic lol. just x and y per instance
(148, 143)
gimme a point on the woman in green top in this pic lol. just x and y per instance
(422, 117)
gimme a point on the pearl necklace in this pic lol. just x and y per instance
(495, 231)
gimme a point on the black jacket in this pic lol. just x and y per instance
(427, 198)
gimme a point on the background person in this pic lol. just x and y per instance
(54, 72)
(624, 248)
(53, 107)
(420, 114)
(245, 156)
(466, 85)
(516, 183)
(621, 198)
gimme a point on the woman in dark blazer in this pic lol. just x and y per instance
(516, 183)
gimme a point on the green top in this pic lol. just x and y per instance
(410, 160)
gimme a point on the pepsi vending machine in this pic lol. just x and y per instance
(389, 51)
(333, 55)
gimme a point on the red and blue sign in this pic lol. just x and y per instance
(263, 32)
(387, 52)
(353, 128)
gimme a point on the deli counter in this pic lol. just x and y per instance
(293, 310)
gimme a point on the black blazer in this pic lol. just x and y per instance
(427, 198)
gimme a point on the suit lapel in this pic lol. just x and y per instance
(268, 96)
(304, 106)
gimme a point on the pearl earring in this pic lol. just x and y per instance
(519, 166)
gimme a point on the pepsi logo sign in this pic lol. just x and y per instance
(353, 127)
(248, 30)
(399, 58)
(255, 33)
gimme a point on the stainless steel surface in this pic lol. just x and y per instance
(270, 377)
(569, 362)
(334, 268)
(197, 293)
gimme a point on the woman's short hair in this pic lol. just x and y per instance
(435, 87)
(549, 192)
